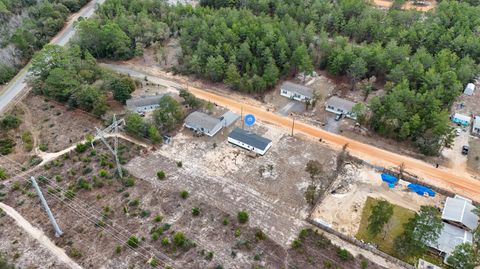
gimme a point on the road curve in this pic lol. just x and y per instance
(18, 83)
(444, 178)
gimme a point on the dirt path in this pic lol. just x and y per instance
(408, 5)
(456, 181)
(39, 236)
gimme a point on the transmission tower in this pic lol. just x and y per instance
(58, 232)
(101, 134)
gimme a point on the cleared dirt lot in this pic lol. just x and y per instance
(350, 192)
(271, 188)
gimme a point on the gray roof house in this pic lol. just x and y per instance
(249, 140)
(144, 103)
(458, 211)
(339, 105)
(296, 91)
(203, 123)
(229, 118)
(450, 237)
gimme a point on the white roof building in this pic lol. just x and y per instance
(450, 237)
(339, 105)
(144, 103)
(470, 89)
(476, 125)
(296, 91)
(203, 123)
(249, 141)
(459, 211)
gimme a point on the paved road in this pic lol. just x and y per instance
(456, 181)
(18, 83)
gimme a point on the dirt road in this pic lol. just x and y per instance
(461, 183)
(408, 5)
(39, 236)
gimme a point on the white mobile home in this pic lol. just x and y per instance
(476, 126)
(249, 141)
(203, 123)
(340, 106)
(296, 91)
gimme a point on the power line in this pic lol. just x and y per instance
(93, 219)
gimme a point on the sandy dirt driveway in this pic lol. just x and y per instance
(39, 236)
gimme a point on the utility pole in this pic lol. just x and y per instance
(58, 232)
(293, 124)
(241, 116)
(114, 150)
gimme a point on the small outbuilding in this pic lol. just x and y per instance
(340, 106)
(249, 141)
(144, 103)
(458, 211)
(296, 91)
(476, 126)
(203, 123)
(461, 119)
(470, 89)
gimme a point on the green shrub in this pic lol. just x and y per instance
(242, 217)
(296, 244)
(27, 141)
(81, 148)
(180, 239)
(155, 236)
(260, 235)
(83, 184)
(129, 182)
(343, 254)
(158, 218)
(209, 256)
(179, 164)
(118, 249)
(145, 214)
(43, 147)
(103, 173)
(134, 203)
(303, 233)
(69, 194)
(161, 175)
(165, 241)
(10, 122)
(154, 262)
(237, 232)
(184, 194)
(3, 173)
(225, 221)
(133, 241)
(364, 264)
(195, 211)
(6, 146)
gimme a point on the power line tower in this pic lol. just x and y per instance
(101, 134)
(58, 232)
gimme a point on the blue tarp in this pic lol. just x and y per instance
(389, 179)
(421, 190)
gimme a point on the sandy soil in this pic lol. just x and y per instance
(39, 236)
(355, 185)
(228, 178)
(409, 5)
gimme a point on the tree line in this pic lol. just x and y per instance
(425, 58)
(38, 22)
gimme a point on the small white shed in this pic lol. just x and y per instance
(470, 89)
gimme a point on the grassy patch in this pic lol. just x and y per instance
(394, 227)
